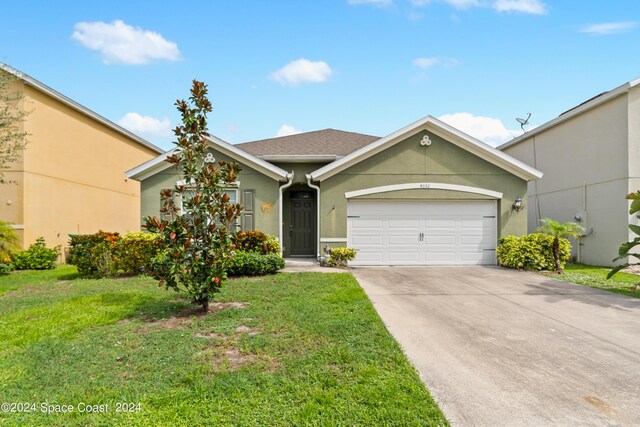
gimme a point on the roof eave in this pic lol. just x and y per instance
(159, 164)
(78, 107)
(620, 90)
(436, 126)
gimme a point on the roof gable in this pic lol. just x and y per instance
(444, 131)
(159, 164)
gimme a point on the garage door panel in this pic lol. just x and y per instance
(401, 223)
(372, 240)
(440, 240)
(403, 239)
(423, 233)
(404, 256)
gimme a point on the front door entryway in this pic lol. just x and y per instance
(302, 226)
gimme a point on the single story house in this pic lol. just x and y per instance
(426, 194)
(590, 156)
(70, 176)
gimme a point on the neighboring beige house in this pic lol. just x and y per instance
(590, 157)
(70, 178)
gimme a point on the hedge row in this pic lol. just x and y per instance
(531, 252)
(106, 254)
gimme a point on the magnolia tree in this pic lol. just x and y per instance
(197, 236)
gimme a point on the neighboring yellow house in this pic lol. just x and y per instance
(70, 178)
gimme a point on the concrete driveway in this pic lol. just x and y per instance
(499, 347)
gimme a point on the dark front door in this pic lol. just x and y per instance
(303, 222)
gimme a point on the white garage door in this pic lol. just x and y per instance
(422, 233)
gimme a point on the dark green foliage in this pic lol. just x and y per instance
(135, 252)
(94, 254)
(627, 250)
(37, 257)
(198, 237)
(254, 264)
(340, 257)
(6, 267)
(532, 252)
(106, 254)
(257, 241)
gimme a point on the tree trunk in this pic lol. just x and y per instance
(556, 255)
(205, 306)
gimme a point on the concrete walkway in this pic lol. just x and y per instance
(304, 265)
(499, 347)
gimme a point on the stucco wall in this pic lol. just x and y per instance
(585, 161)
(409, 162)
(72, 175)
(265, 194)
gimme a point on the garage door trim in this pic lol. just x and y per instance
(423, 186)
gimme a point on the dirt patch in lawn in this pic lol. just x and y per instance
(185, 317)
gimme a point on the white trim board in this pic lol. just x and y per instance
(333, 240)
(159, 164)
(423, 186)
(441, 129)
(76, 106)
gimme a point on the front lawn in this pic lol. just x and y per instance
(290, 349)
(596, 277)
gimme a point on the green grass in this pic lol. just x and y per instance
(307, 349)
(596, 277)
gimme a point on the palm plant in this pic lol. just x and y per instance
(559, 231)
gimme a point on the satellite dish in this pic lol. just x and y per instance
(523, 122)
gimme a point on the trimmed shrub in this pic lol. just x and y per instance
(94, 254)
(135, 251)
(254, 264)
(37, 257)
(106, 254)
(341, 256)
(257, 241)
(531, 252)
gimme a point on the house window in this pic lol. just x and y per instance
(230, 190)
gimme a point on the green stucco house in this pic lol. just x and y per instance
(426, 194)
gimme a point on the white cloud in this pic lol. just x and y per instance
(607, 28)
(302, 71)
(286, 130)
(428, 62)
(121, 43)
(458, 4)
(487, 129)
(371, 2)
(146, 126)
(535, 7)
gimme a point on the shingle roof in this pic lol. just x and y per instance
(326, 142)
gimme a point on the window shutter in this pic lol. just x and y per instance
(248, 213)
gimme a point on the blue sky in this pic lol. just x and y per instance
(370, 66)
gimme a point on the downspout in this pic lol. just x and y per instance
(280, 208)
(317, 214)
